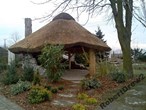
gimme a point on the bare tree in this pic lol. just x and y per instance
(15, 37)
(143, 5)
(140, 12)
(122, 13)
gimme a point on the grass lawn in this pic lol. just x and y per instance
(139, 68)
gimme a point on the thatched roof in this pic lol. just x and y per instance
(64, 16)
(59, 31)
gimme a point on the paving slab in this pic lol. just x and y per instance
(75, 75)
(63, 103)
(133, 99)
(6, 104)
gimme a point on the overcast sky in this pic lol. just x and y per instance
(13, 13)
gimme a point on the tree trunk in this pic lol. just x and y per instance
(121, 11)
(127, 62)
(126, 49)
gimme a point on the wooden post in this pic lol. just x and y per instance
(69, 60)
(92, 62)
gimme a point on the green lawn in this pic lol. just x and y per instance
(139, 68)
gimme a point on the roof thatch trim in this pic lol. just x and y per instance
(66, 32)
(64, 16)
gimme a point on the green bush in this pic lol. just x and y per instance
(121, 78)
(138, 54)
(142, 58)
(48, 87)
(82, 96)
(90, 83)
(118, 76)
(50, 59)
(54, 90)
(114, 75)
(3, 59)
(78, 107)
(60, 87)
(36, 78)
(91, 101)
(3, 67)
(20, 87)
(103, 68)
(81, 59)
(11, 76)
(39, 94)
(28, 73)
(17, 60)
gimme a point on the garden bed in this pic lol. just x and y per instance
(71, 89)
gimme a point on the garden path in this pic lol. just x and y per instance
(75, 75)
(6, 104)
(133, 99)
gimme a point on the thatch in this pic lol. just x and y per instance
(59, 31)
(64, 16)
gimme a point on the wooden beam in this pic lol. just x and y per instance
(92, 62)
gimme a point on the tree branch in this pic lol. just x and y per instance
(137, 17)
(129, 14)
(41, 3)
(51, 14)
(113, 6)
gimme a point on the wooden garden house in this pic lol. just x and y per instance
(63, 29)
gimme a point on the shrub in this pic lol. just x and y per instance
(103, 68)
(121, 78)
(91, 101)
(3, 59)
(28, 73)
(20, 87)
(138, 54)
(82, 96)
(11, 76)
(48, 87)
(50, 59)
(142, 58)
(81, 58)
(90, 83)
(39, 94)
(54, 90)
(3, 67)
(78, 107)
(17, 60)
(60, 87)
(118, 76)
(36, 78)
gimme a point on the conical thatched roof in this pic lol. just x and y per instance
(63, 16)
(63, 29)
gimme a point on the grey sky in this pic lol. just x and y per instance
(13, 13)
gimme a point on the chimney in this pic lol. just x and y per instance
(28, 26)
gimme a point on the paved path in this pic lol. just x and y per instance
(75, 75)
(6, 104)
(133, 99)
